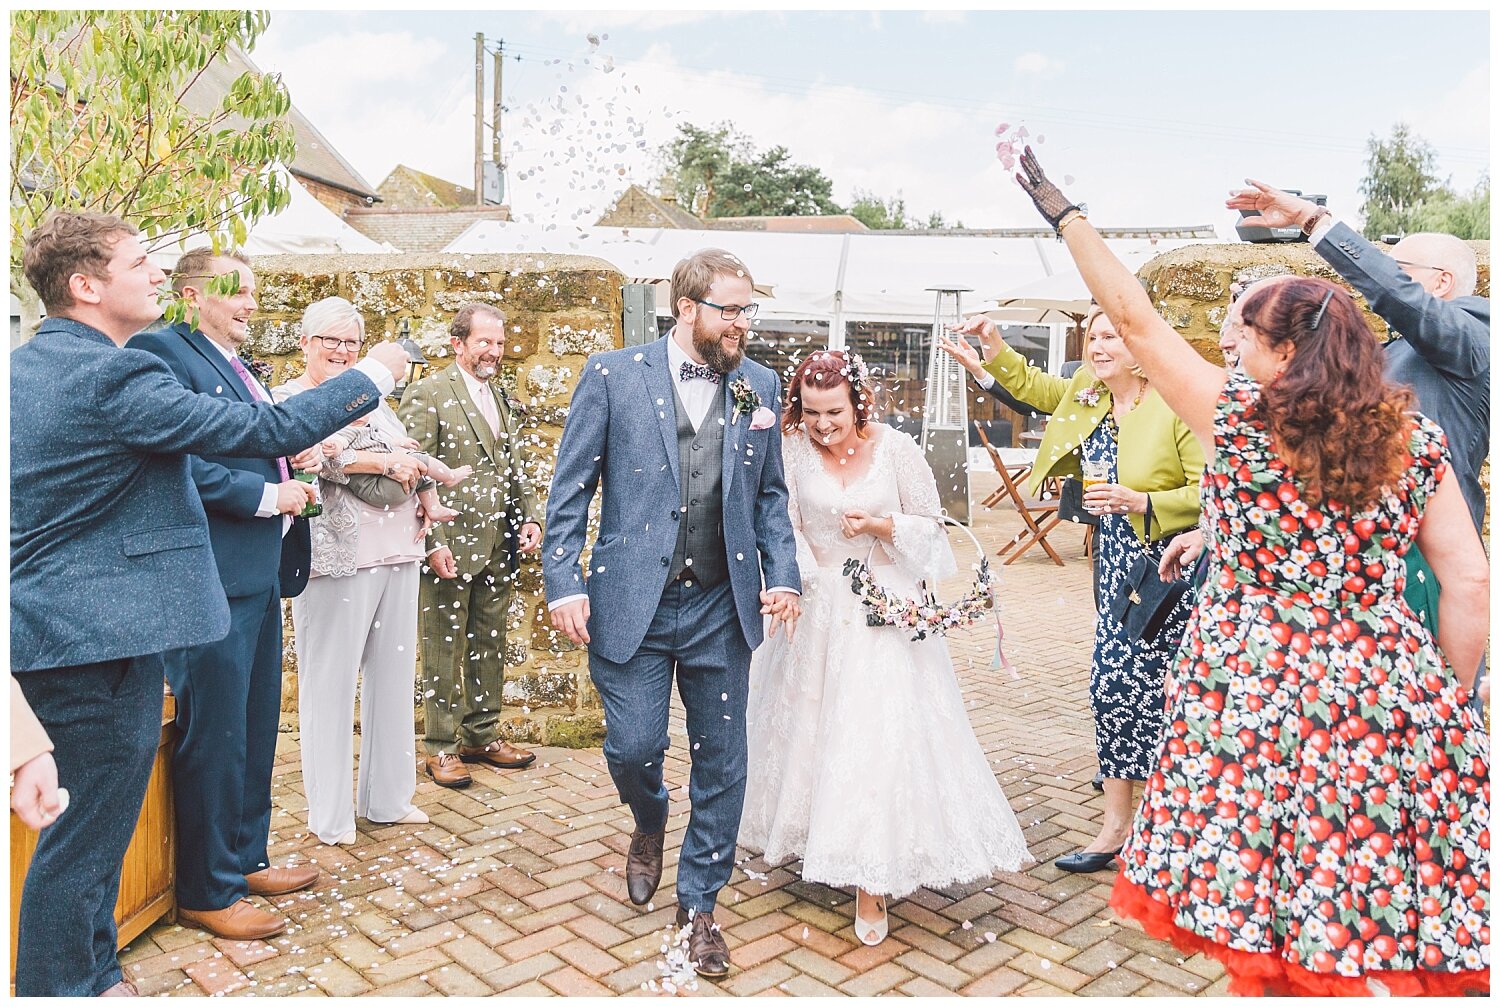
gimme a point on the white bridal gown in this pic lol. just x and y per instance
(862, 761)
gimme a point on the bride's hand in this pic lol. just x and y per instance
(857, 522)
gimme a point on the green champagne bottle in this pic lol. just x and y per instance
(314, 508)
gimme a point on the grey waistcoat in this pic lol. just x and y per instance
(700, 526)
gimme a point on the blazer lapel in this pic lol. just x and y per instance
(210, 353)
(482, 435)
(734, 429)
(657, 377)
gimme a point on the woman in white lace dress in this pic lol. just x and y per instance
(863, 762)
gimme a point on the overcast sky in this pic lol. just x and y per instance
(1155, 114)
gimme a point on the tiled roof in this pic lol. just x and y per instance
(420, 230)
(407, 187)
(315, 158)
(636, 207)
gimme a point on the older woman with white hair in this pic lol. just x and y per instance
(358, 614)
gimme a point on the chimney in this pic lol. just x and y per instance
(668, 186)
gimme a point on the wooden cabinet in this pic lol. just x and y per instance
(146, 885)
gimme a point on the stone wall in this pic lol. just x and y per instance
(559, 309)
(1190, 285)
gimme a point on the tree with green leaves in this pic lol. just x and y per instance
(98, 124)
(719, 173)
(1404, 195)
(878, 214)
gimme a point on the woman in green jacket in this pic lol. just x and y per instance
(1109, 415)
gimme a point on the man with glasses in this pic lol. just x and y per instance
(461, 417)
(1440, 342)
(695, 545)
(229, 692)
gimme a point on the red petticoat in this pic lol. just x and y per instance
(1268, 974)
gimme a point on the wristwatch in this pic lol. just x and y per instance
(1311, 223)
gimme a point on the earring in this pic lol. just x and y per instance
(1136, 370)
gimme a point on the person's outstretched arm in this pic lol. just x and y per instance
(1189, 384)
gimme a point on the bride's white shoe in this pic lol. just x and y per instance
(867, 932)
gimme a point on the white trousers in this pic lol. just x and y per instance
(348, 625)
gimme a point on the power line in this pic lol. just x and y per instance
(1130, 123)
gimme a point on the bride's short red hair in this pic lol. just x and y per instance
(829, 369)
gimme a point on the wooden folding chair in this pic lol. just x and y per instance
(1040, 516)
(1017, 472)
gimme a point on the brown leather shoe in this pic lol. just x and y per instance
(281, 880)
(447, 771)
(706, 948)
(500, 754)
(643, 865)
(123, 988)
(239, 922)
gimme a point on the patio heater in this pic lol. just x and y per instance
(945, 413)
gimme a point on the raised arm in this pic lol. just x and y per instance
(1189, 384)
(1029, 386)
(1447, 334)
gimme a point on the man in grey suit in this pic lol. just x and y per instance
(694, 547)
(111, 563)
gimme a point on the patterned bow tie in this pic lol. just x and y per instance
(689, 370)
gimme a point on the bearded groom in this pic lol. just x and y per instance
(694, 547)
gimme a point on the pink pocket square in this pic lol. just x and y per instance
(762, 419)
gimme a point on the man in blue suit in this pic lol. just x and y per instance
(694, 547)
(111, 563)
(229, 691)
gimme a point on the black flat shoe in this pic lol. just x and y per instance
(1097, 782)
(1086, 863)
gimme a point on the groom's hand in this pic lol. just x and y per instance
(782, 607)
(572, 620)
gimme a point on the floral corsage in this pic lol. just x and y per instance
(263, 371)
(745, 399)
(1088, 396)
(927, 614)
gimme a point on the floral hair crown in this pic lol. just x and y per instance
(854, 368)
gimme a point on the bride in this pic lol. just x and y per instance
(865, 765)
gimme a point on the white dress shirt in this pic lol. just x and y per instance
(697, 394)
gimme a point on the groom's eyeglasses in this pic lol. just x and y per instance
(729, 312)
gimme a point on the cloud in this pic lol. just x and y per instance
(1036, 64)
(585, 22)
(944, 16)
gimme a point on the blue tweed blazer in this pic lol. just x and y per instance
(622, 431)
(109, 546)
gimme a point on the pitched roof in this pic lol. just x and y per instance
(316, 158)
(420, 230)
(406, 187)
(636, 207)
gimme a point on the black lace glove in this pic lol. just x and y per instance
(1049, 200)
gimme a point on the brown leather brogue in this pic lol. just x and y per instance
(643, 865)
(500, 754)
(706, 948)
(123, 988)
(447, 771)
(281, 880)
(241, 921)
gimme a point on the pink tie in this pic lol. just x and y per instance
(253, 387)
(488, 409)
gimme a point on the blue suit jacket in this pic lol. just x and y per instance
(251, 551)
(109, 547)
(622, 430)
(1443, 350)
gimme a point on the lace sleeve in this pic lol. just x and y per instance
(333, 468)
(919, 539)
(792, 455)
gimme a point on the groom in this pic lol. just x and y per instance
(684, 434)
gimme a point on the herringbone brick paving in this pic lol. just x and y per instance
(516, 886)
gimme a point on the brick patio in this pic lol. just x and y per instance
(516, 886)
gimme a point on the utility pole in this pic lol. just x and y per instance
(495, 124)
(479, 119)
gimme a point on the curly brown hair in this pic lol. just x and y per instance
(827, 369)
(1340, 426)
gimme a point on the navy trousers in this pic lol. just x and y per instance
(228, 706)
(104, 721)
(696, 635)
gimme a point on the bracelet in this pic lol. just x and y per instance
(1311, 223)
(1074, 214)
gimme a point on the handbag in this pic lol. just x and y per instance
(1145, 601)
(1070, 503)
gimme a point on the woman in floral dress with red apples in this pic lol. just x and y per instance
(1319, 817)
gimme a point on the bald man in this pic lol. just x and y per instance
(1424, 290)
